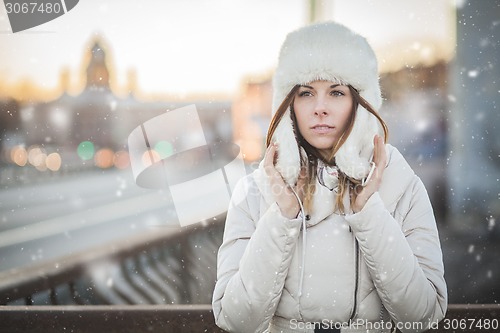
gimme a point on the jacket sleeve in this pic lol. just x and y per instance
(404, 261)
(252, 263)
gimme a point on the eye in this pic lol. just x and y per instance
(305, 93)
(337, 93)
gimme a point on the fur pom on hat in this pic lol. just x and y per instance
(328, 51)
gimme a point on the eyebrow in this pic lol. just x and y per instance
(309, 87)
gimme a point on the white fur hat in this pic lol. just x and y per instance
(328, 51)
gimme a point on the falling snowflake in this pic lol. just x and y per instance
(473, 73)
(491, 223)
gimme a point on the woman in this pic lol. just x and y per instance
(333, 230)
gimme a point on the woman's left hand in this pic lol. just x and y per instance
(380, 160)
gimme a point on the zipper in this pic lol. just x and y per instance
(356, 284)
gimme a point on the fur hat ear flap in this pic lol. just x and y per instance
(354, 156)
(288, 163)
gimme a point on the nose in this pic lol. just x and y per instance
(320, 108)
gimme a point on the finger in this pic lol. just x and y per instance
(270, 160)
(381, 157)
(376, 149)
(269, 156)
(381, 153)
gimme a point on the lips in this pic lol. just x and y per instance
(322, 128)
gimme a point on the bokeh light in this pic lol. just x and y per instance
(53, 161)
(121, 159)
(86, 150)
(150, 157)
(39, 161)
(37, 157)
(19, 155)
(164, 149)
(104, 158)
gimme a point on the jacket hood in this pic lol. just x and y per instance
(328, 51)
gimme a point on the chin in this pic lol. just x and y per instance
(322, 146)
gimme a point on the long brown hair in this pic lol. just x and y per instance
(313, 155)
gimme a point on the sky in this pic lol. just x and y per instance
(211, 46)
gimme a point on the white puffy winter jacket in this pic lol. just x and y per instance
(379, 268)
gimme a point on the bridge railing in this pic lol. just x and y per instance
(164, 266)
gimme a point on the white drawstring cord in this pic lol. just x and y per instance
(304, 242)
(365, 181)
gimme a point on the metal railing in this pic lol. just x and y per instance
(164, 266)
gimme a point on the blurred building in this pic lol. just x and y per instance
(251, 113)
(93, 111)
(91, 128)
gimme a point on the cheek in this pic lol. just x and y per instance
(300, 115)
(300, 121)
(346, 113)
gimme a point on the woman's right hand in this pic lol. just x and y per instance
(282, 193)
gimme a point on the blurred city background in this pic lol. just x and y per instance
(72, 90)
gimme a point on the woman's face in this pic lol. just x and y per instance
(322, 110)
